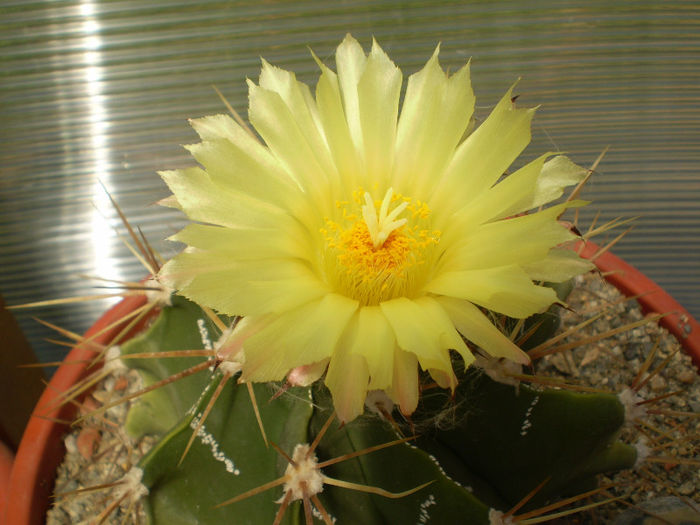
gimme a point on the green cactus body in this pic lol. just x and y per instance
(501, 442)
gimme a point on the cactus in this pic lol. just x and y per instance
(380, 381)
(501, 443)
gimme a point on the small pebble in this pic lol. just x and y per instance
(686, 489)
(686, 376)
(658, 383)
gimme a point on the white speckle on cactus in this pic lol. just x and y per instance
(130, 486)
(318, 515)
(496, 517)
(437, 464)
(204, 334)
(112, 363)
(423, 514)
(209, 440)
(303, 477)
(630, 400)
(526, 423)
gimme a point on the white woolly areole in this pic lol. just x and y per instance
(304, 478)
(643, 451)
(112, 362)
(378, 402)
(499, 369)
(496, 517)
(131, 486)
(230, 367)
(630, 400)
(160, 293)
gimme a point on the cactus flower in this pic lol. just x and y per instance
(362, 239)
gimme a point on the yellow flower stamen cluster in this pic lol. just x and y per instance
(375, 256)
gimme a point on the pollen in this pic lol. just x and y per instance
(374, 254)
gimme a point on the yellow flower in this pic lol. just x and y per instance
(361, 243)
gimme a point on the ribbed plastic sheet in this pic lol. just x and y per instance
(98, 92)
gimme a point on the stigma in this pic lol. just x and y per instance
(380, 226)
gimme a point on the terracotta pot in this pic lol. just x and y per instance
(42, 450)
(651, 297)
(6, 460)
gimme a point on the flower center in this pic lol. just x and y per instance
(374, 255)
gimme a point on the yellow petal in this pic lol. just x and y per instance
(276, 124)
(484, 156)
(335, 125)
(378, 94)
(505, 289)
(560, 265)
(518, 240)
(404, 389)
(423, 328)
(350, 61)
(478, 329)
(300, 336)
(557, 173)
(435, 114)
(288, 240)
(348, 377)
(302, 106)
(241, 287)
(203, 200)
(374, 340)
(259, 176)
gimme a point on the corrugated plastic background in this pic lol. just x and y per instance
(99, 90)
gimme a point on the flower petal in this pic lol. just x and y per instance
(288, 240)
(298, 99)
(348, 377)
(478, 329)
(556, 174)
(241, 287)
(275, 122)
(484, 156)
(203, 200)
(404, 388)
(560, 265)
(237, 166)
(518, 240)
(335, 125)
(300, 336)
(505, 289)
(423, 328)
(378, 93)
(435, 114)
(350, 61)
